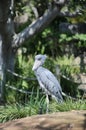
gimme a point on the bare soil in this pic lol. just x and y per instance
(73, 120)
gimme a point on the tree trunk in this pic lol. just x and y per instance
(7, 54)
(7, 57)
(2, 77)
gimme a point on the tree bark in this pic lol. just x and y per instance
(7, 57)
(7, 54)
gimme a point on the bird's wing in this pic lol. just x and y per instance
(50, 82)
(52, 78)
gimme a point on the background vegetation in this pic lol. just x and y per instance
(61, 48)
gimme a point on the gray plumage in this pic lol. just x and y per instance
(46, 79)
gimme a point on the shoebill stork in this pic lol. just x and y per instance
(47, 80)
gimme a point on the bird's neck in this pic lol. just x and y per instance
(38, 69)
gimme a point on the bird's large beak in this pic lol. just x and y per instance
(36, 65)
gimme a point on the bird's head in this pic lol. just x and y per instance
(39, 61)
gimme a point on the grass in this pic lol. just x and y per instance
(15, 111)
(68, 105)
(10, 112)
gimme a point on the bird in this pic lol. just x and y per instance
(46, 79)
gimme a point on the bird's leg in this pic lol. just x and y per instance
(47, 102)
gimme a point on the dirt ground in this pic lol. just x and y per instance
(74, 120)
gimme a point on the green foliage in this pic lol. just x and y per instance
(65, 38)
(68, 69)
(66, 65)
(49, 40)
(23, 67)
(79, 38)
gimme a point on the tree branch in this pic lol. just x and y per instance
(34, 9)
(40, 24)
(35, 27)
(70, 14)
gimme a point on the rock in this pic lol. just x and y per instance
(73, 120)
